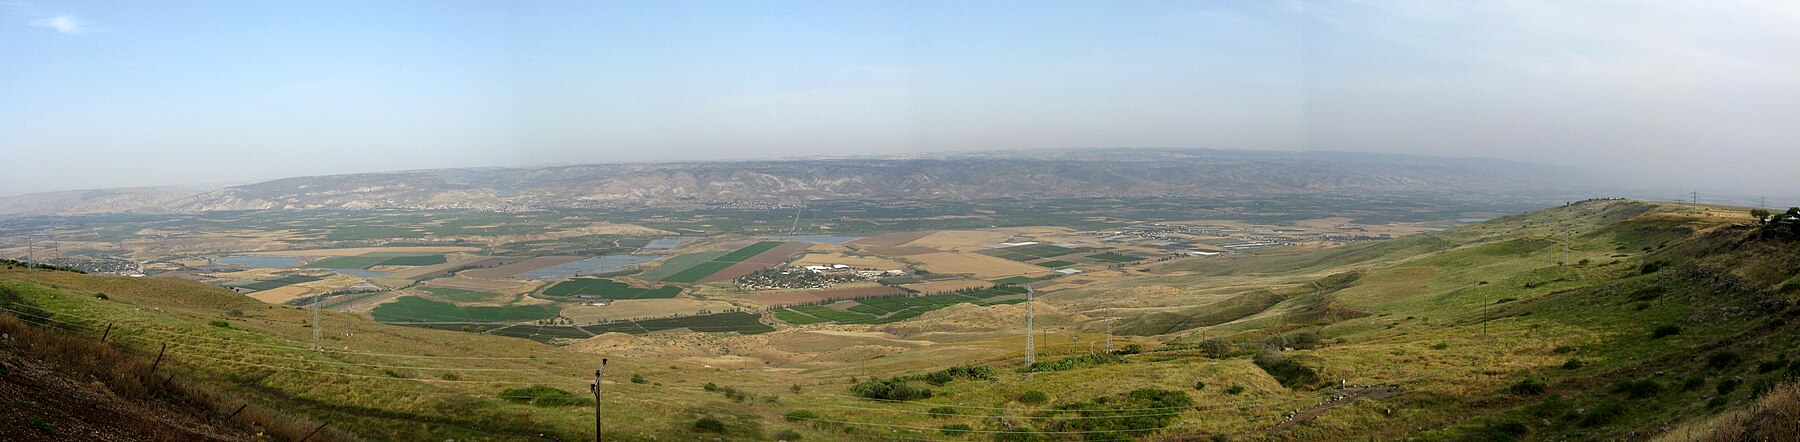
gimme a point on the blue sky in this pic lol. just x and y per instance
(105, 94)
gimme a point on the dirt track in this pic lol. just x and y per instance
(1349, 395)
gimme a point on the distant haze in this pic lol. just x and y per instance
(1667, 95)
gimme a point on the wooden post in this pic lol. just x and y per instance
(239, 410)
(159, 355)
(314, 431)
(107, 333)
(596, 387)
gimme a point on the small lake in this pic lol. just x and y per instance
(360, 273)
(259, 261)
(666, 243)
(822, 239)
(590, 266)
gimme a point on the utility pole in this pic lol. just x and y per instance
(318, 329)
(1696, 201)
(1109, 334)
(1565, 260)
(1030, 345)
(596, 388)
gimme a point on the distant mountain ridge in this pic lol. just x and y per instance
(1049, 173)
(83, 202)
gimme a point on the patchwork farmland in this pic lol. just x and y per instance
(751, 256)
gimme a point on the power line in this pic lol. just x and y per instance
(398, 355)
(274, 367)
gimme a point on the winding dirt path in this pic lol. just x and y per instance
(1350, 394)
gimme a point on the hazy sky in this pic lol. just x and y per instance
(107, 93)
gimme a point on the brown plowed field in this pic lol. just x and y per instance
(766, 259)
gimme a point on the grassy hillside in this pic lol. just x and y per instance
(1659, 319)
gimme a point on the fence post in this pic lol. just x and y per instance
(314, 431)
(159, 355)
(240, 409)
(107, 333)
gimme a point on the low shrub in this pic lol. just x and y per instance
(1666, 330)
(1528, 387)
(1727, 386)
(955, 429)
(542, 395)
(709, 425)
(1638, 389)
(1722, 360)
(799, 415)
(894, 389)
(1033, 397)
(787, 435)
(1600, 414)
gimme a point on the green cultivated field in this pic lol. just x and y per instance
(460, 295)
(416, 309)
(739, 322)
(1016, 280)
(1056, 264)
(793, 317)
(1115, 257)
(698, 272)
(678, 264)
(608, 289)
(748, 251)
(701, 270)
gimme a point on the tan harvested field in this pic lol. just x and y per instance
(362, 250)
(527, 265)
(961, 240)
(641, 308)
(502, 286)
(821, 295)
(980, 265)
(367, 303)
(899, 250)
(280, 294)
(829, 258)
(947, 286)
(414, 273)
(890, 239)
(766, 259)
